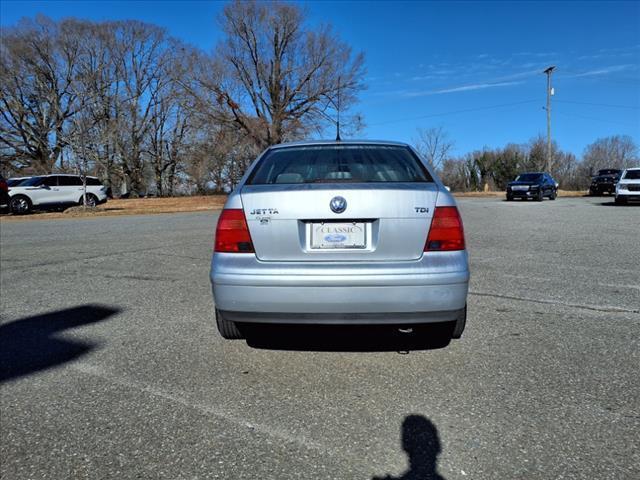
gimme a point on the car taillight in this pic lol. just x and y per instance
(232, 232)
(446, 231)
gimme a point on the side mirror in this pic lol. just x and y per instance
(448, 188)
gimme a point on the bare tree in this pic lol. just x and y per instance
(275, 80)
(98, 90)
(617, 151)
(140, 53)
(38, 59)
(125, 101)
(434, 145)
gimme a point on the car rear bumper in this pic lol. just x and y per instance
(600, 189)
(432, 289)
(384, 318)
(629, 196)
(521, 194)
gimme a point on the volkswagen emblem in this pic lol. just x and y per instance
(338, 204)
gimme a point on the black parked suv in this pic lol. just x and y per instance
(535, 185)
(605, 181)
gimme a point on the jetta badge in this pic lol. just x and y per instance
(338, 204)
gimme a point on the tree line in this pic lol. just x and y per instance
(493, 168)
(144, 111)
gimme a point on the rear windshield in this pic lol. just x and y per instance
(529, 177)
(632, 175)
(608, 172)
(14, 182)
(339, 164)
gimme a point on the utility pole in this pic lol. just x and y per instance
(548, 71)
(338, 113)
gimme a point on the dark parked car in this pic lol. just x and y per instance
(535, 185)
(605, 181)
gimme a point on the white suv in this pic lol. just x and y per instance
(628, 187)
(58, 190)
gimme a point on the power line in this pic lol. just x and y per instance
(571, 74)
(453, 112)
(599, 104)
(594, 119)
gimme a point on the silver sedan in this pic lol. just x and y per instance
(340, 233)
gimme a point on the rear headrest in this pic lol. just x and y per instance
(289, 178)
(388, 175)
(338, 176)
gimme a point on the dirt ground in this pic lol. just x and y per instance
(136, 206)
(145, 206)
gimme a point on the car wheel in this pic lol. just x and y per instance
(509, 198)
(540, 196)
(92, 200)
(227, 328)
(553, 195)
(20, 205)
(460, 324)
(621, 201)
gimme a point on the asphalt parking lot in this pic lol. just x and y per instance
(112, 366)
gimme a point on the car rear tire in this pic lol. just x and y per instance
(228, 329)
(92, 200)
(461, 322)
(20, 205)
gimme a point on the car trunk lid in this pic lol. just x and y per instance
(296, 223)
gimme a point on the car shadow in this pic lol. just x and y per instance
(32, 344)
(421, 443)
(614, 204)
(351, 338)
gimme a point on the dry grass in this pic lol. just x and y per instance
(138, 206)
(146, 206)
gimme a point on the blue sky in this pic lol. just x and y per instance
(474, 68)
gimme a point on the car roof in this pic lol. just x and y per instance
(633, 168)
(338, 142)
(62, 175)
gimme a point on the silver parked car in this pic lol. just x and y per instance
(340, 233)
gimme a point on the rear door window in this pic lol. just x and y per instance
(69, 181)
(339, 164)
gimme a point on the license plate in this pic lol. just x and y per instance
(520, 188)
(329, 235)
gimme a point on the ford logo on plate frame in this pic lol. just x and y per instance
(338, 204)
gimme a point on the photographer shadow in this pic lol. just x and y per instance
(421, 443)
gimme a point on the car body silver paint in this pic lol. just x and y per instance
(285, 281)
